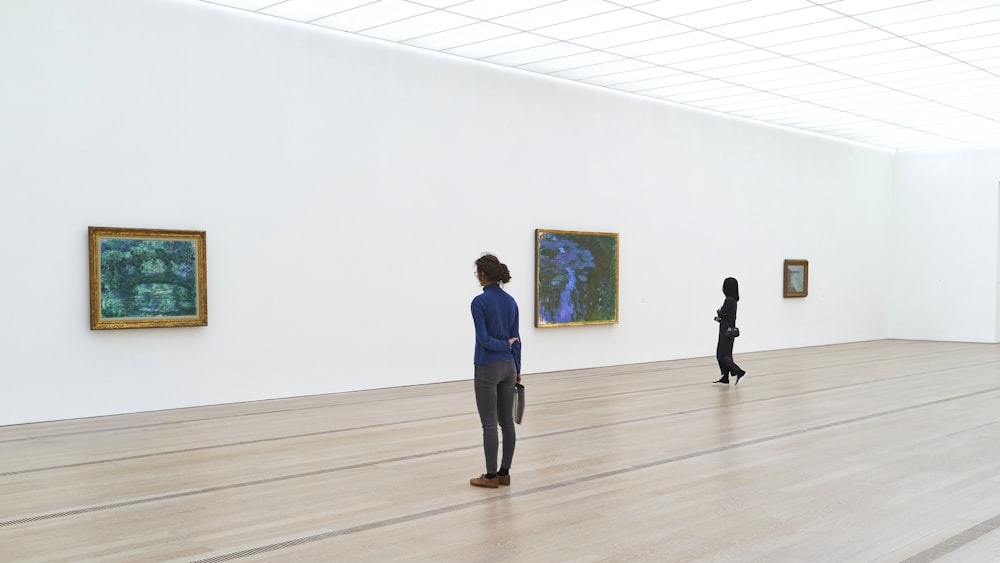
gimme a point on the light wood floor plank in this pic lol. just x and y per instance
(870, 451)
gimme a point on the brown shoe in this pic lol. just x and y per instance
(482, 481)
(504, 480)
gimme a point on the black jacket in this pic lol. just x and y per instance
(727, 313)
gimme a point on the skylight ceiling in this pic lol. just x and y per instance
(903, 74)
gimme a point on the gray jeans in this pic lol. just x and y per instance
(495, 400)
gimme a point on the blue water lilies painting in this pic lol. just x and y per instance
(576, 280)
(142, 278)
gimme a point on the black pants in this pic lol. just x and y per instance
(724, 354)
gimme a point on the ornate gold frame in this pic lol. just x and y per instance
(787, 289)
(98, 322)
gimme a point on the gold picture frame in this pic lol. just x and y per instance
(796, 278)
(147, 278)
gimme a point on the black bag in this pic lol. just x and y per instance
(732, 332)
(518, 403)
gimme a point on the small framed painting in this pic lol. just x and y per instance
(147, 278)
(576, 278)
(796, 282)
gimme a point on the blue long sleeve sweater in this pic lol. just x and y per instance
(495, 315)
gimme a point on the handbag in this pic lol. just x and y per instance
(518, 403)
(732, 332)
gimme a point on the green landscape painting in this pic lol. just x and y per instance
(147, 278)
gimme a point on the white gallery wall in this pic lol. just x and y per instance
(943, 271)
(347, 185)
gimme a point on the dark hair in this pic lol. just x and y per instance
(731, 288)
(493, 268)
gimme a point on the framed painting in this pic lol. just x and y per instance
(576, 278)
(796, 283)
(147, 278)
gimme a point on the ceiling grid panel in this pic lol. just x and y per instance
(902, 74)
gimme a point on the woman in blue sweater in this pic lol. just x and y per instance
(498, 367)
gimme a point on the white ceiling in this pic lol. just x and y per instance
(903, 74)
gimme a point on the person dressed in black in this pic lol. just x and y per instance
(726, 317)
